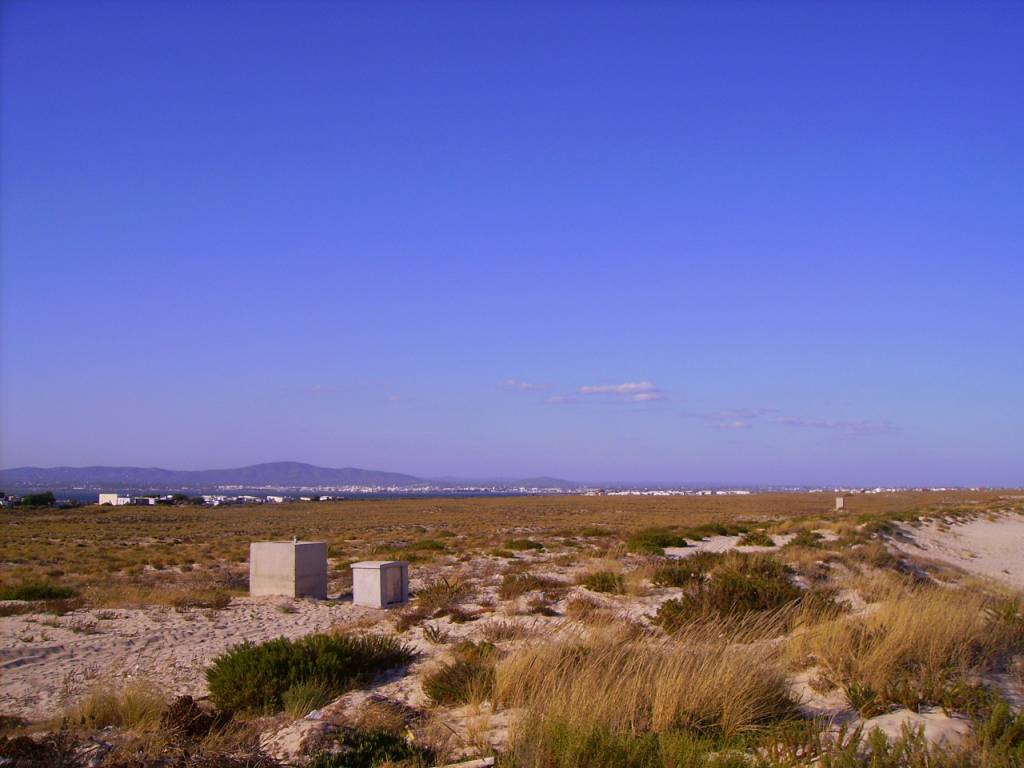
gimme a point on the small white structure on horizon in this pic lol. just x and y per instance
(290, 568)
(275, 499)
(114, 499)
(839, 503)
(380, 583)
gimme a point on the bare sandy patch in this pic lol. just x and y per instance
(991, 548)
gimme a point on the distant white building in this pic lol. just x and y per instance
(114, 499)
(275, 499)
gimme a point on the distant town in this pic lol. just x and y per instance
(67, 498)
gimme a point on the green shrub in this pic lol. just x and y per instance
(37, 590)
(469, 677)
(755, 539)
(737, 586)
(701, 532)
(652, 541)
(216, 599)
(603, 581)
(254, 678)
(521, 545)
(806, 539)
(686, 570)
(431, 545)
(360, 748)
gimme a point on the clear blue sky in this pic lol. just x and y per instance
(757, 242)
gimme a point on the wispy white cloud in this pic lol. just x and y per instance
(850, 427)
(746, 418)
(561, 400)
(735, 418)
(630, 391)
(518, 385)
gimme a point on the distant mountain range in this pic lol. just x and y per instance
(279, 474)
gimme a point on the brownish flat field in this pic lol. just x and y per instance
(88, 546)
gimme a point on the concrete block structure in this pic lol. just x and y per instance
(291, 568)
(839, 503)
(380, 583)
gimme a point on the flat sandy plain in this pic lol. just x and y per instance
(161, 591)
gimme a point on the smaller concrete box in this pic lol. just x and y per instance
(291, 568)
(380, 583)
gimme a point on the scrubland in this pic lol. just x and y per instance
(764, 631)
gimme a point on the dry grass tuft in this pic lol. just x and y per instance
(137, 705)
(913, 650)
(702, 681)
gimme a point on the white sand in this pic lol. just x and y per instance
(45, 662)
(992, 549)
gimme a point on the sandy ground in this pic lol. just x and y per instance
(989, 548)
(46, 661)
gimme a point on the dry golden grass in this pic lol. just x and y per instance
(914, 649)
(701, 680)
(137, 705)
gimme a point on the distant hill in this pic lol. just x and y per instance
(284, 474)
(279, 474)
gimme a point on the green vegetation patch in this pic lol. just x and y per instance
(603, 581)
(686, 570)
(521, 545)
(254, 678)
(652, 541)
(369, 748)
(739, 585)
(806, 539)
(38, 590)
(755, 539)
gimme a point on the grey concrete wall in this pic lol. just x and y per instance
(293, 569)
(380, 583)
(311, 569)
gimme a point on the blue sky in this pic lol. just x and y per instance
(737, 242)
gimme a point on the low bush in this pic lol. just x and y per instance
(740, 584)
(520, 545)
(426, 545)
(755, 539)
(214, 599)
(36, 590)
(440, 595)
(806, 539)
(652, 541)
(701, 532)
(363, 748)
(515, 585)
(469, 677)
(254, 678)
(685, 571)
(602, 581)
